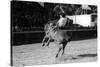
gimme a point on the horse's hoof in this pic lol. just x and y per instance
(47, 45)
(56, 56)
(42, 45)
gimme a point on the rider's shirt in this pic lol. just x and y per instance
(62, 22)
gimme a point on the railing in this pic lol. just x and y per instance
(28, 37)
(63, 30)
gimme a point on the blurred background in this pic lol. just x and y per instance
(28, 20)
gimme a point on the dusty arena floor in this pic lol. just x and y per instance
(35, 54)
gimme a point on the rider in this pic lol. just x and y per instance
(62, 21)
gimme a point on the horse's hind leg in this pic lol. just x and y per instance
(64, 45)
(60, 47)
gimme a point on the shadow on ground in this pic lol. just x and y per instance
(73, 57)
(87, 55)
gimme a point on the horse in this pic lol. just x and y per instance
(47, 28)
(61, 37)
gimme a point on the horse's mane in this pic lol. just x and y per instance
(51, 21)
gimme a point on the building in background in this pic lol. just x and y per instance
(83, 17)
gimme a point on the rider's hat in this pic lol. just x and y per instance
(63, 14)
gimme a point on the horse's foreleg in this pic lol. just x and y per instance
(43, 43)
(48, 42)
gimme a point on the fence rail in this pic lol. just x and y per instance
(63, 30)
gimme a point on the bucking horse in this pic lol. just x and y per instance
(60, 37)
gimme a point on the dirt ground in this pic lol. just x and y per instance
(35, 54)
